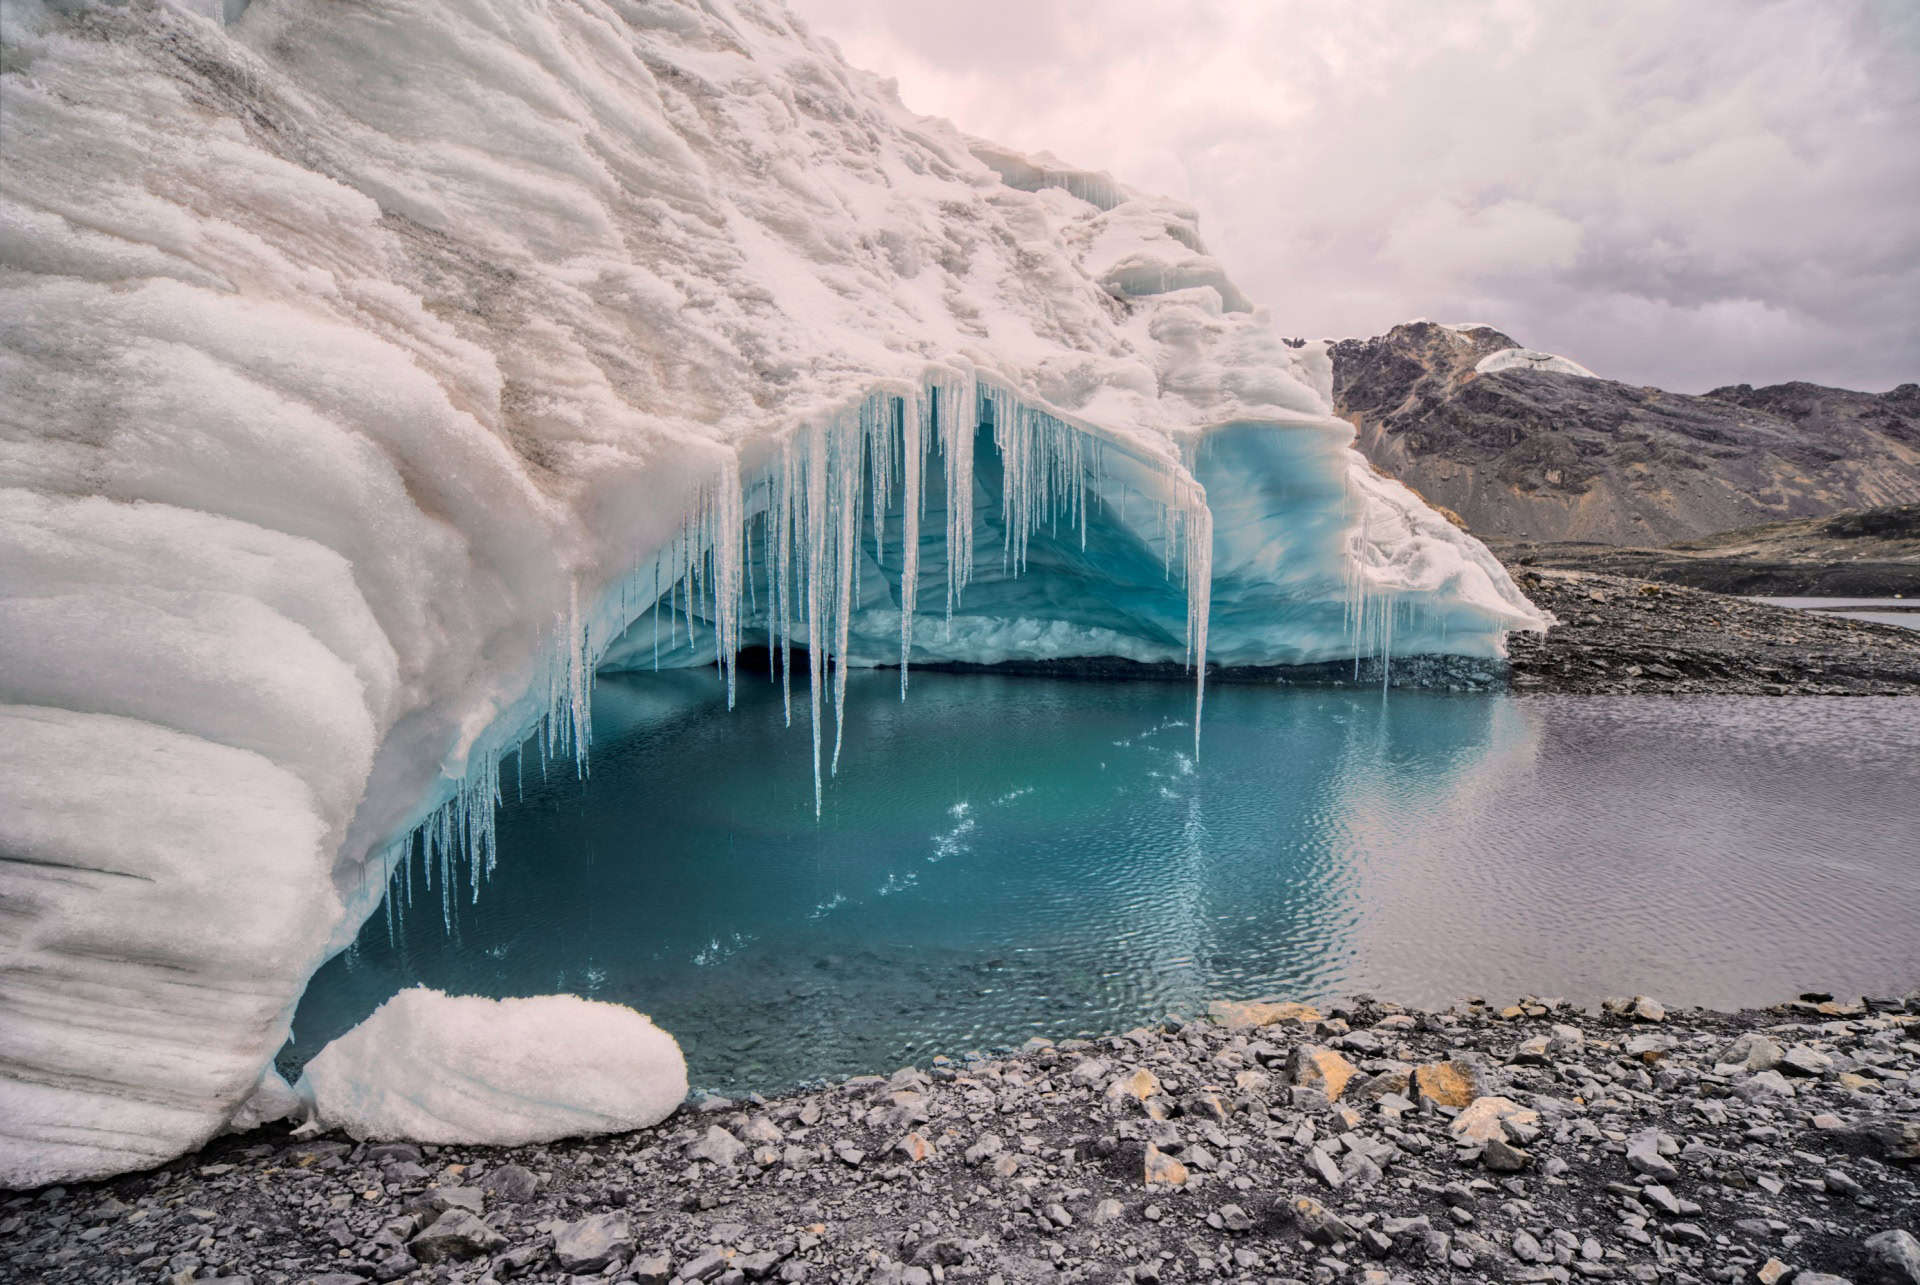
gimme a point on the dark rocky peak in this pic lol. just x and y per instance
(1821, 410)
(1549, 454)
(1415, 363)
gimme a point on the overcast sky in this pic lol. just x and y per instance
(1678, 192)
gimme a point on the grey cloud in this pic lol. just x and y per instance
(1681, 192)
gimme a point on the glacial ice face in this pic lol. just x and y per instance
(363, 370)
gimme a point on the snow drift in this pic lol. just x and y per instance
(367, 371)
(428, 1067)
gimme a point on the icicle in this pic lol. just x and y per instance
(957, 418)
(1199, 530)
(816, 538)
(913, 452)
(780, 585)
(728, 537)
(849, 438)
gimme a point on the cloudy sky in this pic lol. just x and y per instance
(1678, 192)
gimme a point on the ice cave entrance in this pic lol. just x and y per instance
(1004, 857)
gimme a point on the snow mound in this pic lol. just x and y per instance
(1530, 359)
(428, 1067)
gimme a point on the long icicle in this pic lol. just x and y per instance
(816, 537)
(913, 453)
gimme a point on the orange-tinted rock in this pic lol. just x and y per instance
(1315, 1067)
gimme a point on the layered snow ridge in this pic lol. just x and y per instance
(371, 374)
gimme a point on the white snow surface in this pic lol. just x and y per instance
(366, 370)
(428, 1067)
(1530, 359)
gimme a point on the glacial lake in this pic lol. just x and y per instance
(1904, 612)
(1005, 857)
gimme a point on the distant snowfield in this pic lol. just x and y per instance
(365, 372)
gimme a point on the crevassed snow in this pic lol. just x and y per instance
(429, 1067)
(1530, 359)
(365, 371)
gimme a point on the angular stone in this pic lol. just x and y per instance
(1162, 1170)
(763, 1130)
(1503, 1157)
(1374, 1088)
(441, 1199)
(1662, 1199)
(1235, 1219)
(1643, 1156)
(1139, 1084)
(941, 1253)
(1767, 1084)
(1452, 1083)
(1108, 1211)
(381, 1153)
(453, 1235)
(1493, 1117)
(987, 1147)
(1318, 1224)
(1752, 1051)
(1889, 1139)
(915, 1148)
(651, 1269)
(1322, 1165)
(1091, 1071)
(1320, 1069)
(1259, 1013)
(510, 1184)
(1805, 1060)
(589, 1244)
(705, 1267)
(1650, 1047)
(1897, 1254)
(718, 1146)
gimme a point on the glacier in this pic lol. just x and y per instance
(369, 376)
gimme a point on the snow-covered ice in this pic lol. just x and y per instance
(428, 1067)
(366, 372)
(1530, 359)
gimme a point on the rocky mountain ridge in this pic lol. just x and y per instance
(1526, 452)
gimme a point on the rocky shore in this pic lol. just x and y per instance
(1261, 1142)
(1620, 634)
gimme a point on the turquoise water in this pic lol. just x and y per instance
(1006, 857)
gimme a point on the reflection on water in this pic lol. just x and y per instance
(1006, 857)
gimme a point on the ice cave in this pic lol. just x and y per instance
(371, 378)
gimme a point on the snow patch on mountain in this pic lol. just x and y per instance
(1530, 359)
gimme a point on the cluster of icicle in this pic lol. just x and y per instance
(804, 514)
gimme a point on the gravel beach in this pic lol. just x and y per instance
(1259, 1142)
(1618, 634)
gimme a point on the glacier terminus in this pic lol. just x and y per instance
(370, 376)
